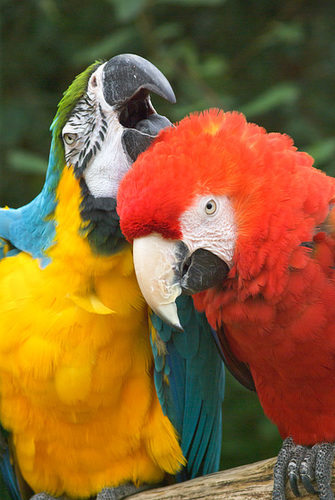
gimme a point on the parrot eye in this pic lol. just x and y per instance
(94, 82)
(210, 207)
(70, 139)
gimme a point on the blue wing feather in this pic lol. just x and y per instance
(30, 228)
(190, 385)
(9, 477)
(7, 469)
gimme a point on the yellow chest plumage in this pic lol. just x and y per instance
(76, 366)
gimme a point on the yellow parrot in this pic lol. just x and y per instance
(97, 397)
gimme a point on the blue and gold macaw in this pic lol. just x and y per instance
(97, 396)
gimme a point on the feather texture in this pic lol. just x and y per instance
(275, 310)
(189, 380)
(74, 381)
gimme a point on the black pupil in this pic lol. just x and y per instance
(209, 205)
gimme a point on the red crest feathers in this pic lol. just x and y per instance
(267, 179)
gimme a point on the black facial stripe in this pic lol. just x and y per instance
(103, 230)
(89, 123)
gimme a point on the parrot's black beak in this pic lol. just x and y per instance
(166, 269)
(127, 82)
(201, 270)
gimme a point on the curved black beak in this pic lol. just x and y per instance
(128, 80)
(127, 74)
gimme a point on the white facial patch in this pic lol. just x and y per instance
(92, 140)
(103, 175)
(210, 224)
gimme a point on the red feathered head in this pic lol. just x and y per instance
(215, 153)
(228, 192)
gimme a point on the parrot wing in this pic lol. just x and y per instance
(237, 368)
(8, 218)
(12, 485)
(28, 228)
(189, 379)
(320, 248)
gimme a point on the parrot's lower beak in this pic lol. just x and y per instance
(128, 80)
(166, 268)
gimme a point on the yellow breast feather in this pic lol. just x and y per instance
(76, 366)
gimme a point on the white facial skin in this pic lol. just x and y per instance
(210, 224)
(94, 129)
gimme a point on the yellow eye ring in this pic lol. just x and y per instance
(70, 139)
(210, 207)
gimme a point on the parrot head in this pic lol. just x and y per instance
(104, 121)
(206, 203)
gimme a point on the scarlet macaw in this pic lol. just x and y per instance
(88, 406)
(241, 220)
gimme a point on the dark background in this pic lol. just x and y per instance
(272, 60)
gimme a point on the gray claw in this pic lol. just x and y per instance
(117, 493)
(323, 470)
(293, 468)
(122, 491)
(307, 482)
(298, 453)
(279, 471)
(46, 496)
(307, 469)
(307, 464)
(293, 478)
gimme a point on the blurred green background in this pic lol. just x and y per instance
(272, 60)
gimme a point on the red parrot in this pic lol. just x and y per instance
(238, 218)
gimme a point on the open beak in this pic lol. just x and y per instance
(166, 268)
(128, 80)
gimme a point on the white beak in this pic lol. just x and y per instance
(156, 266)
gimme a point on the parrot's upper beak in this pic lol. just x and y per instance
(166, 268)
(127, 82)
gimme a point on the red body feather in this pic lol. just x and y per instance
(277, 306)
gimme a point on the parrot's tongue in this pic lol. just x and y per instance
(153, 124)
(138, 139)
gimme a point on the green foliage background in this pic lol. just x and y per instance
(272, 60)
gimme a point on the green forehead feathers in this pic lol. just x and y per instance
(70, 98)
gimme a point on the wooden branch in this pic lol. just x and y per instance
(249, 482)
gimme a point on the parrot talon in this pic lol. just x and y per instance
(307, 469)
(305, 464)
(323, 469)
(123, 491)
(293, 468)
(280, 468)
(117, 493)
(46, 496)
(293, 478)
(307, 482)
(166, 199)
